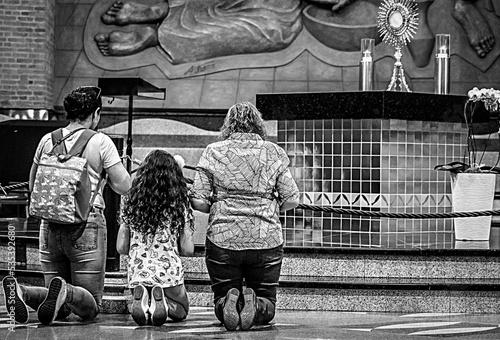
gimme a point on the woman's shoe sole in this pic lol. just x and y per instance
(230, 312)
(247, 314)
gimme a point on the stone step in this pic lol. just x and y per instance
(115, 289)
(390, 294)
(414, 264)
(375, 299)
(325, 263)
(363, 294)
(116, 304)
(329, 262)
(417, 265)
(428, 280)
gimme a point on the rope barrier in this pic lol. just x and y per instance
(12, 187)
(341, 211)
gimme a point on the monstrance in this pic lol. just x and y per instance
(397, 23)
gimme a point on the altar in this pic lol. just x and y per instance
(373, 151)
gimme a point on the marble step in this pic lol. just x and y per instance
(323, 264)
(416, 264)
(344, 280)
(390, 294)
(384, 298)
(429, 264)
(353, 294)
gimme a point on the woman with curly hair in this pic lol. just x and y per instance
(243, 181)
(157, 228)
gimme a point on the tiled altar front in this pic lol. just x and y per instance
(375, 163)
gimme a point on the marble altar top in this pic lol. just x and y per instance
(366, 105)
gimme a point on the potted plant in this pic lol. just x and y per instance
(472, 182)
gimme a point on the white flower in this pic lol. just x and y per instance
(473, 94)
(490, 97)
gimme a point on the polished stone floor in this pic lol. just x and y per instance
(288, 325)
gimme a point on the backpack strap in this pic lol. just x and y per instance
(81, 142)
(77, 150)
(102, 180)
(79, 145)
(57, 142)
(59, 147)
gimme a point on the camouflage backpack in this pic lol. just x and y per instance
(62, 188)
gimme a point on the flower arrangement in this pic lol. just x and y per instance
(490, 97)
(491, 100)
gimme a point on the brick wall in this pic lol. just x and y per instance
(26, 53)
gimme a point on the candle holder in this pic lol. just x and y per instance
(366, 65)
(442, 64)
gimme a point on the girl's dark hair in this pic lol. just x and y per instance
(158, 197)
(243, 117)
(82, 102)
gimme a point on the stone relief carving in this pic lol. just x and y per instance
(187, 38)
(476, 27)
(202, 29)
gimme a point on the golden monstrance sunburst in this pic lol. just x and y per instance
(397, 24)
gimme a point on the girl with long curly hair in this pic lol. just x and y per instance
(157, 228)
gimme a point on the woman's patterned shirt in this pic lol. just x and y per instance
(245, 180)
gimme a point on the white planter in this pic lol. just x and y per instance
(472, 192)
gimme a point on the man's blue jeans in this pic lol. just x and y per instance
(259, 268)
(78, 255)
